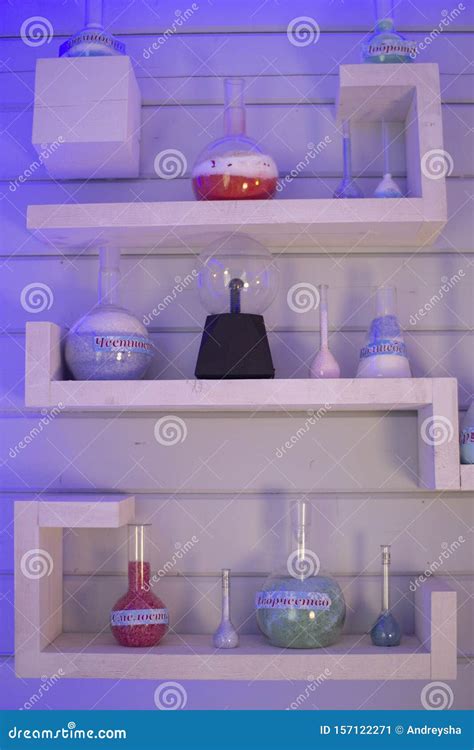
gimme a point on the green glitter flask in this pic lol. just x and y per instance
(299, 606)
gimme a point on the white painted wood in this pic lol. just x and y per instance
(192, 657)
(43, 360)
(38, 586)
(87, 117)
(438, 450)
(19, 241)
(108, 512)
(409, 94)
(467, 477)
(39, 567)
(278, 223)
(436, 625)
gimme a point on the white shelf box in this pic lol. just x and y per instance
(87, 117)
(435, 399)
(408, 93)
(41, 646)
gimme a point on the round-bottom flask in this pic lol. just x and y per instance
(109, 343)
(300, 606)
(139, 617)
(234, 167)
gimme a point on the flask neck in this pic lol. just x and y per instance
(385, 301)
(323, 315)
(384, 15)
(346, 150)
(94, 14)
(109, 277)
(386, 578)
(138, 575)
(226, 594)
(234, 108)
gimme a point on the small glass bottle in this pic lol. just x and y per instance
(387, 187)
(139, 617)
(108, 343)
(93, 40)
(347, 188)
(386, 45)
(226, 635)
(467, 436)
(234, 167)
(384, 353)
(386, 630)
(298, 606)
(324, 364)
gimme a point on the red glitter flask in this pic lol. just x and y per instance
(139, 617)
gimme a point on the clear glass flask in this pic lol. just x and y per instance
(108, 343)
(347, 188)
(384, 353)
(93, 40)
(234, 167)
(139, 617)
(226, 635)
(386, 630)
(324, 365)
(386, 45)
(298, 605)
(467, 436)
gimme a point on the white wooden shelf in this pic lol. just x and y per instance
(41, 646)
(366, 92)
(467, 477)
(435, 399)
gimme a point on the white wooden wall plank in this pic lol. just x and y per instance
(16, 89)
(163, 291)
(284, 131)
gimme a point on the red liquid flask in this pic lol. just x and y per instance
(139, 618)
(234, 167)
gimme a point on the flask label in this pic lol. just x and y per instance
(292, 600)
(124, 617)
(467, 436)
(123, 343)
(384, 346)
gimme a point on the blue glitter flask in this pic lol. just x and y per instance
(93, 40)
(386, 630)
(108, 343)
(386, 45)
